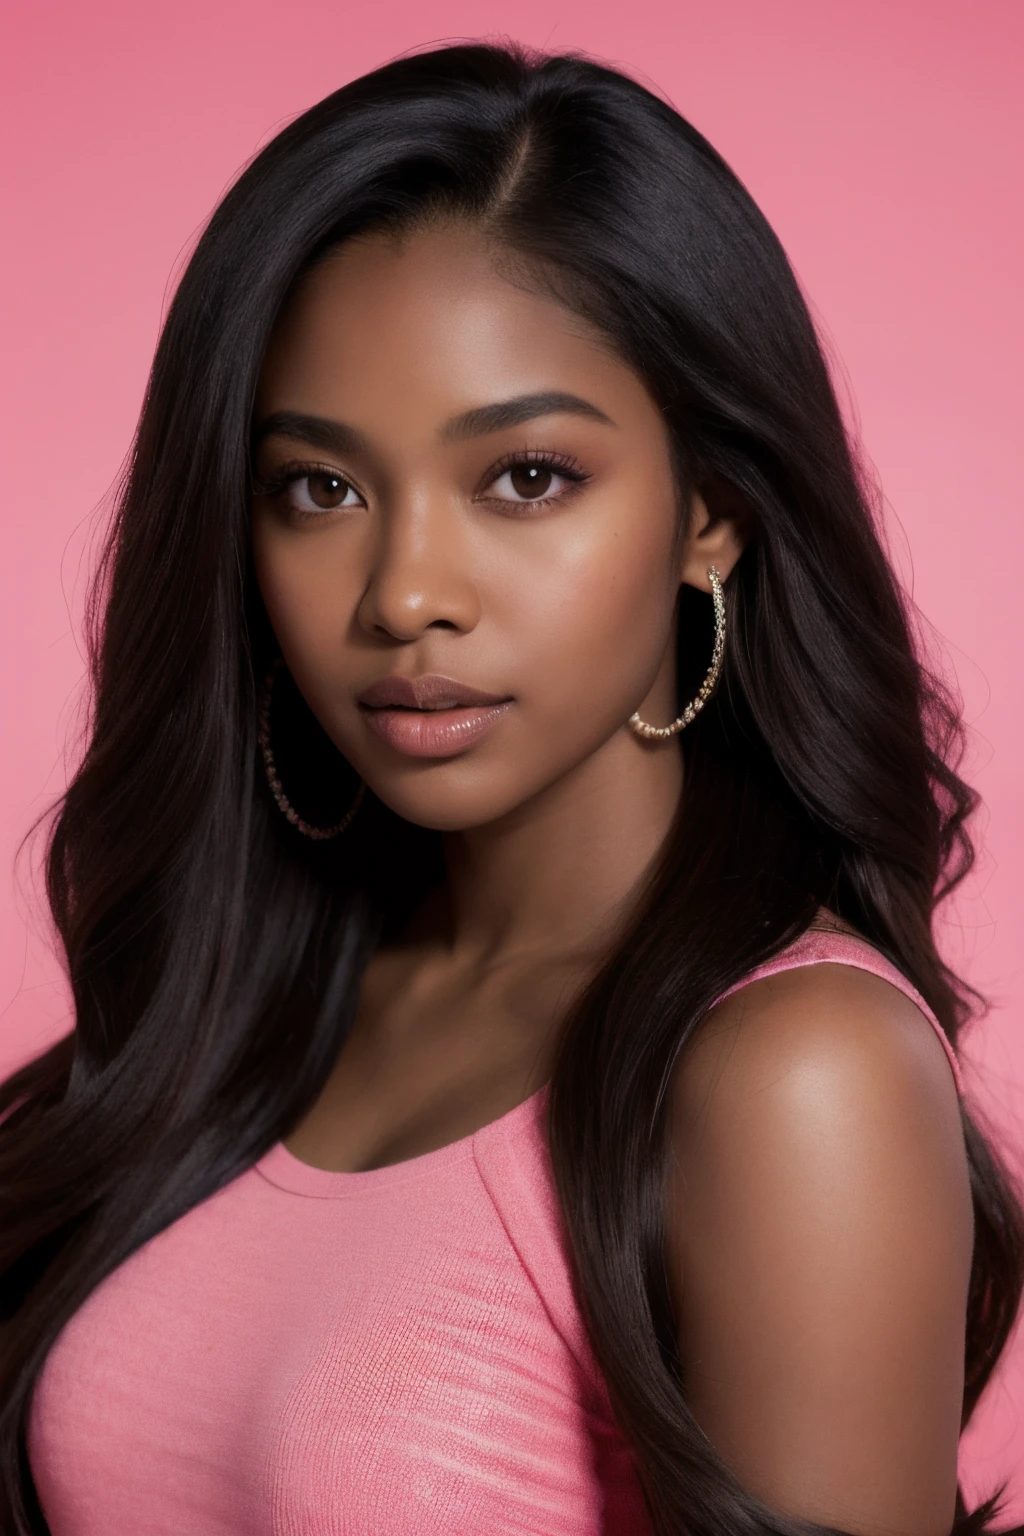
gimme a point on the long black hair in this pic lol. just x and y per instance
(215, 955)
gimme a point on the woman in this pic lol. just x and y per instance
(513, 1085)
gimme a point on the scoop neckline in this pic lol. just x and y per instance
(281, 1167)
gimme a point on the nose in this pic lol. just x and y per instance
(420, 575)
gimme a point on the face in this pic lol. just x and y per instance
(466, 528)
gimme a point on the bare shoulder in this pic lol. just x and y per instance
(814, 1041)
(820, 1231)
(823, 1079)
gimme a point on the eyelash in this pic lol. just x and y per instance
(274, 486)
(560, 463)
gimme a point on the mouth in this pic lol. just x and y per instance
(430, 716)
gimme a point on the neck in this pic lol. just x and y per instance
(561, 871)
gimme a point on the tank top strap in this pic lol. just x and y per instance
(830, 946)
(514, 1163)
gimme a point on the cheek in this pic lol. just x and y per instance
(305, 590)
(593, 609)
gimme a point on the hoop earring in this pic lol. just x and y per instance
(319, 834)
(707, 687)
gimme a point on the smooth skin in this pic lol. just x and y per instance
(818, 1208)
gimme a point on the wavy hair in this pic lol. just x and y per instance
(215, 956)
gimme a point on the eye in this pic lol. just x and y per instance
(319, 490)
(305, 491)
(539, 478)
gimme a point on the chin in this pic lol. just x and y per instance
(444, 801)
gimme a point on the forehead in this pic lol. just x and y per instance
(438, 316)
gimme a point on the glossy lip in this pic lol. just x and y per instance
(430, 716)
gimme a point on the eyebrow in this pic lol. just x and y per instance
(512, 413)
(338, 437)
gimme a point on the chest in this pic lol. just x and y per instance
(281, 1363)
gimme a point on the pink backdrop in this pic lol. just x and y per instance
(882, 138)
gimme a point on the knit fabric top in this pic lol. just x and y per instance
(393, 1352)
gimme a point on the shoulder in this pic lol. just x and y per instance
(820, 1235)
(825, 1046)
(820, 1230)
(820, 1081)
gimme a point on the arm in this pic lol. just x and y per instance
(820, 1232)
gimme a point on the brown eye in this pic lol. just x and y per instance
(530, 479)
(541, 480)
(308, 492)
(326, 490)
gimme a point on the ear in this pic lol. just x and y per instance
(719, 527)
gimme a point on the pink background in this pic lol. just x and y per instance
(883, 140)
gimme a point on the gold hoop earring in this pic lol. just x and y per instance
(707, 687)
(319, 834)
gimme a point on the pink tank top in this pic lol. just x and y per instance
(395, 1352)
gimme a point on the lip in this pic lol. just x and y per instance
(431, 691)
(430, 716)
